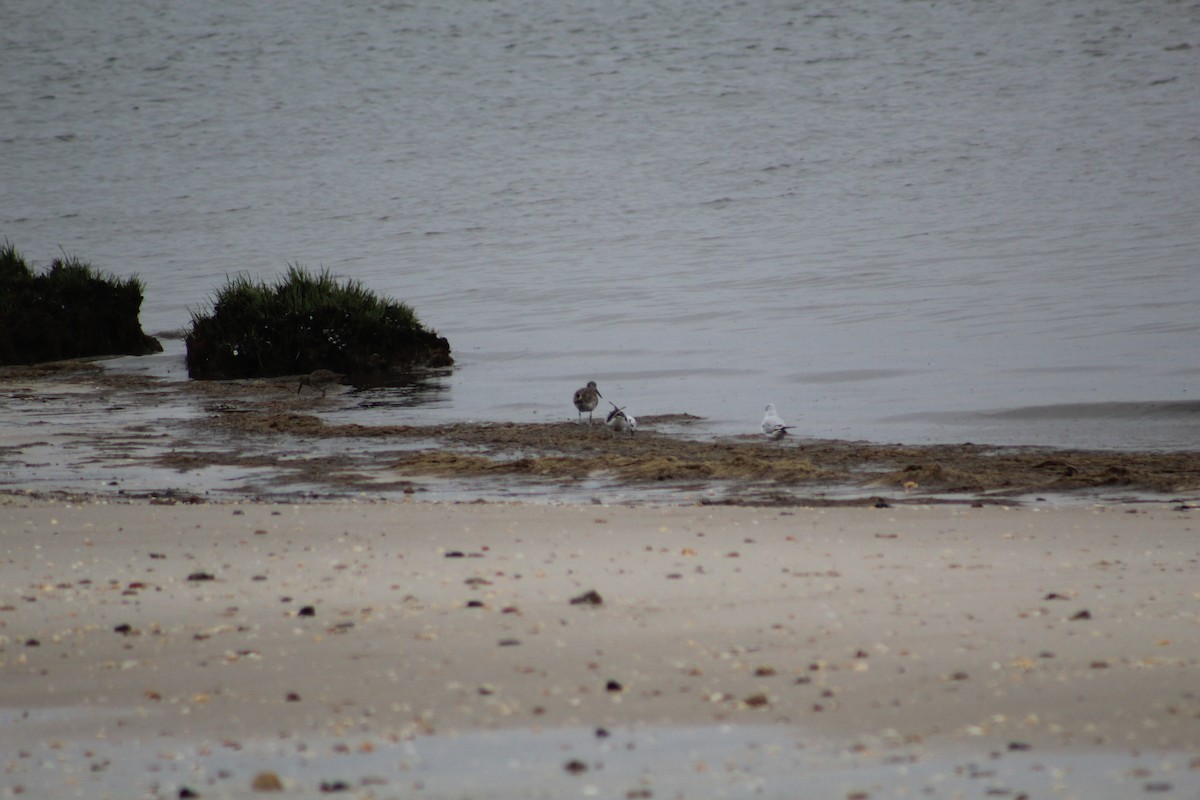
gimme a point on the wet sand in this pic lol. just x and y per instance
(394, 649)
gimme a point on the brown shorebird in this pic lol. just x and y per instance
(319, 379)
(586, 399)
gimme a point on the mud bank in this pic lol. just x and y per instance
(567, 452)
(262, 438)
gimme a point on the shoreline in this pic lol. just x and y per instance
(211, 585)
(909, 634)
(75, 427)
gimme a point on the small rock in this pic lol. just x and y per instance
(266, 782)
(590, 597)
(756, 700)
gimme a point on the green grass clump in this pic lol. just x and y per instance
(71, 310)
(304, 322)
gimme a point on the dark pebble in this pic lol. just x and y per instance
(334, 786)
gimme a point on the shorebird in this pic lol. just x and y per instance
(619, 421)
(772, 425)
(586, 399)
(319, 379)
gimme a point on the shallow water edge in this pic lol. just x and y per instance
(77, 427)
(644, 762)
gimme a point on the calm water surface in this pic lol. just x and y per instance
(935, 221)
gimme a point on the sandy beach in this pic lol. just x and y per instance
(393, 649)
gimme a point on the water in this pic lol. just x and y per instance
(654, 761)
(902, 221)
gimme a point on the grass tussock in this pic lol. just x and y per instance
(304, 322)
(70, 310)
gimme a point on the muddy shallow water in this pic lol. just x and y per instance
(75, 427)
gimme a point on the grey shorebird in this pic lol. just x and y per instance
(319, 379)
(586, 399)
(772, 425)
